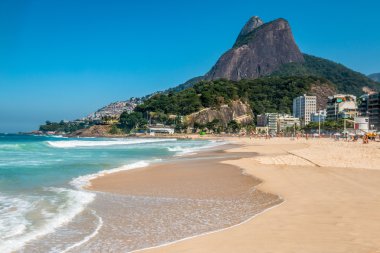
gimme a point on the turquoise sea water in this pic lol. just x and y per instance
(41, 179)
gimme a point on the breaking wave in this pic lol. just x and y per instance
(84, 143)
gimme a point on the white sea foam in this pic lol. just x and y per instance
(56, 136)
(84, 143)
(12, 216)
(89, 237)
(74, 203)
(181, 150)
(9, 146)
(83, 181)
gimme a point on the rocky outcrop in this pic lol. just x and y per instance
(236, 110)
(260, 49)
(94, 131)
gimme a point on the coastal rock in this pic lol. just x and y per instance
(93, 131)
(259, 50)
(236, 110)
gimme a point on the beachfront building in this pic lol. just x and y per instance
(268, 120)
(319, 116)
(361, 124)
(303, 107)
(262, 120)
(286, 122)
(341, 106)
(374, 111)
(363, 105)
(160, 129)
(274, 123)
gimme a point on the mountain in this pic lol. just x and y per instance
(260, 49)
(264, 70)
(268, 49)
(375, 77)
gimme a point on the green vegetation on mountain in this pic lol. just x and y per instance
(345, 79)
(268, 94)
(62, 126)
(130, 121)
(185, 85)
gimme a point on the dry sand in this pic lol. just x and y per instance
(329, 207)
(331, 192)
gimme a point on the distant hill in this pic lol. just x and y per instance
(345, 79)
(375, 77)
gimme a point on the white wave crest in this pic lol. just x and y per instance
(84, 181)
(67, 210)
(84, 143)
(9, 146)
(180, 150)
(12, 216)
(57, 136)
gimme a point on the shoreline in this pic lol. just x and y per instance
(185, 169)
(211, 232)
(309, 163)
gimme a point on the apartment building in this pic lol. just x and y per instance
(341, 106)
(303, 107)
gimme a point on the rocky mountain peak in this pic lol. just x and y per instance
(253, 23)
(260, 49)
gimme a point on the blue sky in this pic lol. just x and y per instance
(65, 59)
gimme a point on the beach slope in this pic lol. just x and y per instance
(332, 200)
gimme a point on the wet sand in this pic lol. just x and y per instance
(169, 201)
(196, 177)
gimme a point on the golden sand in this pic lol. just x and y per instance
(329, 207)
(331, 192)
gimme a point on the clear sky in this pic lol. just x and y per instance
(65, 59)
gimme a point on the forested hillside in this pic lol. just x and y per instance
(269, 94)
(345, 79)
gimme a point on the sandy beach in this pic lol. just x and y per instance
(330, 191)
(180, 198)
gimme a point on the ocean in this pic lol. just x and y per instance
(43, 207)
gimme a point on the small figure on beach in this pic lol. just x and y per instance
(365, 139)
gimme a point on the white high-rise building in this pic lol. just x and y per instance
(303, 107)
